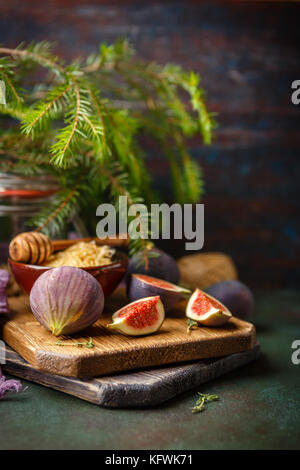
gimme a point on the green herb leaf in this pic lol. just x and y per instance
(88, 344)
(191, 324)
(202, 400)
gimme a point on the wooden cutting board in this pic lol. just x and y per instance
(114, 352)
(143, 388)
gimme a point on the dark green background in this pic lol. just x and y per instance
(259, 405)
(247, 54)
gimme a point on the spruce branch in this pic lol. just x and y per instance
(38, 53)
(119, 185)
(39, 117)
(12, 87)
(10, 110)
(96, 102)
(75, 193)
(98, 149)
(63, 145)
(58, 210)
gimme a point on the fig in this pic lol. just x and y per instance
(161, 265)
(141, 285)
(206, 310)
(236, 296)
(142, 317)
(66, 300)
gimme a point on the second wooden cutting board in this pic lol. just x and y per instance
(114, 352)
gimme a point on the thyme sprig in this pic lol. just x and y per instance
(88, 344)
(190, 325)
(202, 400)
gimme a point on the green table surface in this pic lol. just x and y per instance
(259, 405)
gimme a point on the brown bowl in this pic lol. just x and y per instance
(108, 276)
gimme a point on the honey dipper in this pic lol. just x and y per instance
(30, 248)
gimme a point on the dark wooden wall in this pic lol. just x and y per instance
(247, 54)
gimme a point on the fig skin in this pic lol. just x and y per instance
(138, 288)
(121, 324)
(236, 296)
(163, 266)
(217, 315)
(66, 300)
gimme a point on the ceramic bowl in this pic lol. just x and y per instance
(108, 276)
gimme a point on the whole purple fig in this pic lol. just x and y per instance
(161, 265)
(66, 300)
(236, 296)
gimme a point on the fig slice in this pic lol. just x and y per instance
(141, 317)
(207, 310)
(141, 286)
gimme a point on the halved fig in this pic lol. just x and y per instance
(207, 310)
(141, 286)
(142, 317)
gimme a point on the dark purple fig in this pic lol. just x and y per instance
(66, 300)
(141, 285)
(142, 317)
(236, 296)
(161, 265)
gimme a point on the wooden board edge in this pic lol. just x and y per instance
(17, 366)
(174, 355)
(188, 376)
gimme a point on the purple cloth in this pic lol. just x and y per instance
(8, 385)
(4, 279)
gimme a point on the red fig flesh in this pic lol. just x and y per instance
(141, 286)
(207, 310)
(66, 300)
(142, 317)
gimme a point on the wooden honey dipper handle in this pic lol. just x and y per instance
(30, 248)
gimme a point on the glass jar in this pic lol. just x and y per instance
(22, 197)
